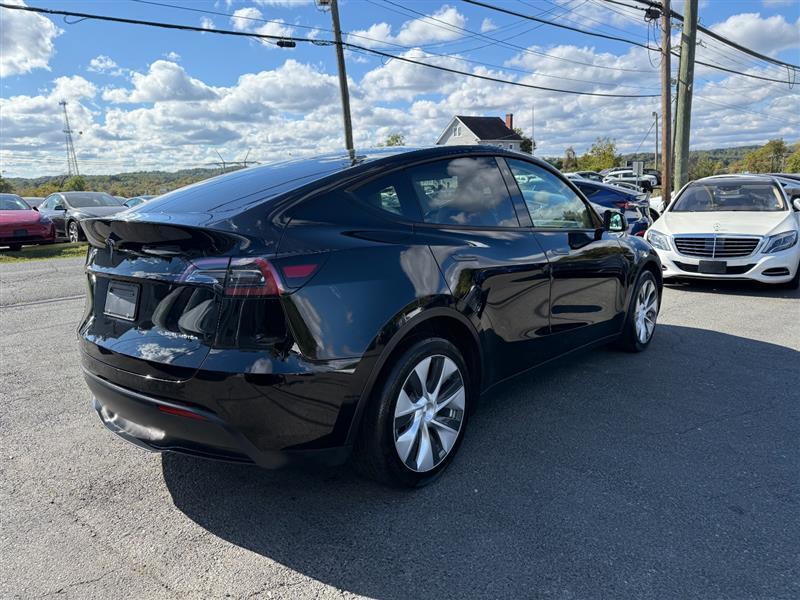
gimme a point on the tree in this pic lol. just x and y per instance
(704, 167)
(768, 158)
(602, 155)
(76, 183)
(5, 186)
(793, 162)
(570, 160)
(526, 145)
(396, 139)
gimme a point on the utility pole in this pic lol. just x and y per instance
(655, 154)
(666, 104)
(533, 132)
(683, 111)
(337, 34)
(72, 159)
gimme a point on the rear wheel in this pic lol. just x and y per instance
(74, 232)
(640, 323)
(416, 421)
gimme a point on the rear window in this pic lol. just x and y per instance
(91, 199)
(388, 194)
(463, 191)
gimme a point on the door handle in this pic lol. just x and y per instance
(464, 257)
(558, 252)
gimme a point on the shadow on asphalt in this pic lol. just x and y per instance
(672, 473)
(733, 288)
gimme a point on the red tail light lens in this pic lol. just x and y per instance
(179, 412)
(640, 233)
(254, 277)
(624, 205)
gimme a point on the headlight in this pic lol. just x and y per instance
(658, 240)
(782, 241)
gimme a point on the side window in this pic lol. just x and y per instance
(50, 202)
(550, 201)
(463, 191)
(385, 194)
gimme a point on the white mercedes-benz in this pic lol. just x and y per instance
(731, 227)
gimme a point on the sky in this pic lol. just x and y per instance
(141, 98)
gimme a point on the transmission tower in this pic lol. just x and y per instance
(72, 160)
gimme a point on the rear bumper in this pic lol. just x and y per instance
(33, 236)
(159, 425)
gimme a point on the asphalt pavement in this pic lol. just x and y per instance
(669, 474)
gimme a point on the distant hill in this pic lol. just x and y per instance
(136, 183)
(726, 156)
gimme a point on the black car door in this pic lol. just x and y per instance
(587, 265)
(495, 269)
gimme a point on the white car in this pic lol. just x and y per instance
(646, 182)
(724, 227)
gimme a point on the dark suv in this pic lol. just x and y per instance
(311, 308)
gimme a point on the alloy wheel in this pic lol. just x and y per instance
(74, 234)
(429, 413)
(646, 311)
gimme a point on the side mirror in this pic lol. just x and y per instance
(796, 203)
(614, 221)
(59, 207)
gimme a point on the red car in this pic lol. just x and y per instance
(21, 225)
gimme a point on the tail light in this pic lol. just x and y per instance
(640, 233)
(253, 277)
(625, 205)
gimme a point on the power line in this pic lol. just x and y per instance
(710, 33)
(175, 26)
(559, 25)
(629, 41)
(505, 44)
(453, 56)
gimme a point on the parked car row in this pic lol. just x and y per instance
(30, 221)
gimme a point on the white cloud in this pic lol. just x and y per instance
(173, 56)
(251, 20)
(26, 42)
(768, 36)
(291, 3)
(487, 25)
(165, 81)
(207, 23)
(104, 64)
(447, 26)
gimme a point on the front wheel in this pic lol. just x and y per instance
(74, 232)
(640, 323)
(416, 421)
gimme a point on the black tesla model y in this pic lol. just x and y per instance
(314, 309)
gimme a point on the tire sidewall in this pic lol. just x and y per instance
(631, 329)
(388, 400)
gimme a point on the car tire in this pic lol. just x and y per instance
(387, 433)
(640, 322)
(74, 233)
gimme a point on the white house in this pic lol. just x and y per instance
(492, 131)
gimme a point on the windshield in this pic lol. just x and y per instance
(87, 199)
(12, 202)
(732, 196)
